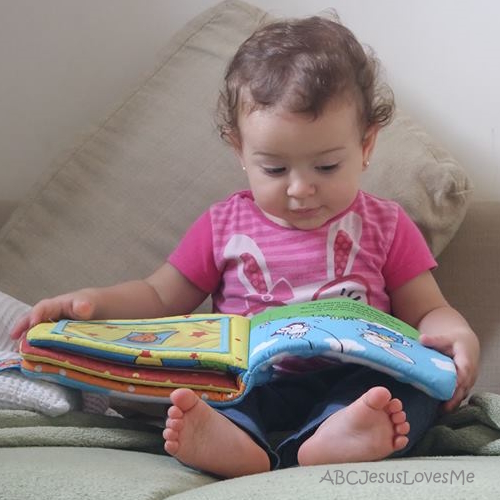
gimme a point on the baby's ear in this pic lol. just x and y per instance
(368, 141)
(234, 140)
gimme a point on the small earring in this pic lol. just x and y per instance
(243, 168)
(366, 163)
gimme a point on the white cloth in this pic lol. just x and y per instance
(18, 392)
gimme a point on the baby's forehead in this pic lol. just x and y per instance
(287, 104)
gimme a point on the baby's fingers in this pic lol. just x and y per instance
(466, 369)
(46, 310)
(20, 328)
(73, 306)
(81, 309)
(440, 343)
(458, 396)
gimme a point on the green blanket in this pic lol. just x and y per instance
(474, 429)
(26, 428)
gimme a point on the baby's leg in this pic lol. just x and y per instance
(200, 437)
(371, 428)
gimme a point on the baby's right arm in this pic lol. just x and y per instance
(165, 293)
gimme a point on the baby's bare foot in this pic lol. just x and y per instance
(200, 437)
(371, 428)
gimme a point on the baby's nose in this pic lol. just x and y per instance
(301, 186)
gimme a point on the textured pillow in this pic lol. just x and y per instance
(17, 392)
(411, 168)
(11, 310)
(117, 206)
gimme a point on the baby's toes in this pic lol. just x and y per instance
(170, 434)
(395, 405)
(175, 412)
(175, 424)
(400, 442)
(402, 429)
(398, 417)
(171, 443)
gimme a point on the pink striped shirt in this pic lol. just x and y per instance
(248, 263)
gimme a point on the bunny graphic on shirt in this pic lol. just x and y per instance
(342, 245)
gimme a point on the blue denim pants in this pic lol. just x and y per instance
(282, 414)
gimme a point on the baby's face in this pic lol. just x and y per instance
(304, 172)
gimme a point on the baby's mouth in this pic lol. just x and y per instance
(305, 211)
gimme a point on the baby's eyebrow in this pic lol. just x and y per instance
(332, 150)
(263, 153)
(320, 153)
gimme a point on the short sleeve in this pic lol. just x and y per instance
(194, 258)
(408, 255)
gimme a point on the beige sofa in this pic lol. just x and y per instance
(115, 208)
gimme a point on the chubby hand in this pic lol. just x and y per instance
(77, 305)
(464, 350)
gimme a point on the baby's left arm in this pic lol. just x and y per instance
(421, 304)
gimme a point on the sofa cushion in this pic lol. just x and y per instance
(117, 206)
(42, 472)
(420, 478)
(127, 475)
(468, 274)
(6, 208)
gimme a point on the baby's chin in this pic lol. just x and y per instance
(303, 223)
(277, 220)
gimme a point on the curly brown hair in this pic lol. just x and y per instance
(301, 65)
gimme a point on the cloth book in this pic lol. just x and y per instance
(221, 357)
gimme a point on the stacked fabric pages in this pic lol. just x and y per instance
(221, 357)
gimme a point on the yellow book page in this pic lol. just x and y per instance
(202, 338)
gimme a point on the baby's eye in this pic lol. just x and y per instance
(327, 168)
(274, 171)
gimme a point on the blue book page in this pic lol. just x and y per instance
(342, 330)
(337, 308)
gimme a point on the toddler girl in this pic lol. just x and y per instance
(301, 108)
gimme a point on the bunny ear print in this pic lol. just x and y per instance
(253, 273)
(342, 247)
(343, 240)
